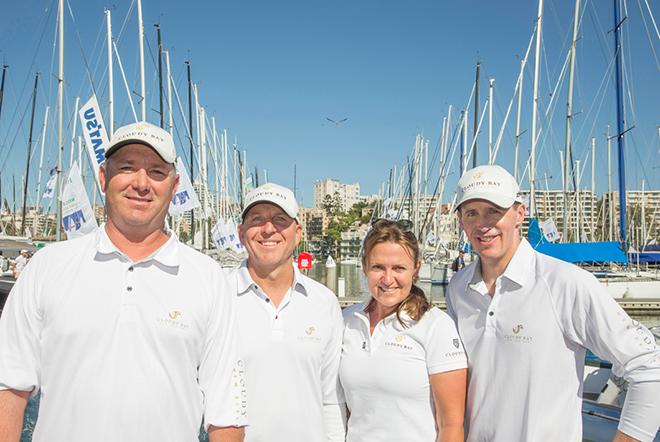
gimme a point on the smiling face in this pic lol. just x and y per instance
(492, 230)
(391, 272)
(269, 236)
(138, 186)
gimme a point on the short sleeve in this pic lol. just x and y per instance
(20, 331)
(444, 349)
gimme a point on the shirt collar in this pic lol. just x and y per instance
(520, 264)
(516, 271)
(390, 321)
(245, 281)
(167, 254)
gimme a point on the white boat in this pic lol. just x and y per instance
(630, 286)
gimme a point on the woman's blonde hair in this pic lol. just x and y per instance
(416, 303)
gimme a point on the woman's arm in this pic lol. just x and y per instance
(449, 389)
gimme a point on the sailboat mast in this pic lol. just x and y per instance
(461, 169)
(491, 82)
(569, 116)
(29, 154)
(73, 131)
(610, 203)
(143, 96)
(620, 127)
(169, 94)
(192, 153)
(111, 93)
(160, 74)
(475, 131)
(215, 169)
(517, 145)
(532, 158)
(593, 188)
(41, 162)
(2, 90)
(60, 111)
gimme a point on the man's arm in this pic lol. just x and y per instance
(12, 408)
(621, 437)
(594, 320)
(225, 434)
(221, 372)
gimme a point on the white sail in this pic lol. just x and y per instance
(330, 262)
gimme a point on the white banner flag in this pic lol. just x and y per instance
(219, 235)
(232, 235)
(77, 214)
(549, 230)
(185, 197)
(96, 137)
(49, 191)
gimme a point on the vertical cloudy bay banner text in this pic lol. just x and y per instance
(96, 137)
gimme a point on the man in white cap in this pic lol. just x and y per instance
(290, 329)
(526, 320)
(128, 334)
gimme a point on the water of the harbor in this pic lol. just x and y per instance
(356, 284)
(354, 287)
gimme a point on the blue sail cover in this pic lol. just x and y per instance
(591, 252)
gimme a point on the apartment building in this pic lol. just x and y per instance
(349, 194)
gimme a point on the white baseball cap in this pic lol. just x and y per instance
(274, 194)
(145, 133)
(491, 183)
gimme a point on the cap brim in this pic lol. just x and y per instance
(115, 147)
(499, 200)
(247, 209)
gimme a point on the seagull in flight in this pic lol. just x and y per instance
(337, 123)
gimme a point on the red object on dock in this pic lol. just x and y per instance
(305, 261)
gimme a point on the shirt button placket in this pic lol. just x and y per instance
(128, 305)
(491, 317)
(130, 283)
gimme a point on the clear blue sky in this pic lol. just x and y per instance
(271, 72)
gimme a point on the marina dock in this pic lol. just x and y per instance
(638, 307)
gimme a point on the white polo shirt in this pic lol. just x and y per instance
(291, 356)
(122, 350)
(385, 376)
(526, 349)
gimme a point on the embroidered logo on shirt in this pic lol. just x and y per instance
(174, 319)
(310, 335)
(399, 343)
(455, 342)
(518, 336)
